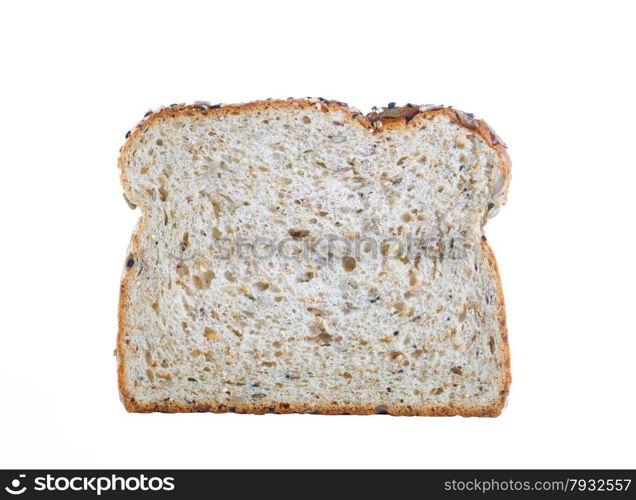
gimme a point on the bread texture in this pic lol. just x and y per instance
(298, 256)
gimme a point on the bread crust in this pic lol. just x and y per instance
(503, 329)
(340, 409)
(376, 122)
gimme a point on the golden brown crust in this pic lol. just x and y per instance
(390, 118)
(286, 408)
(503, 329)
(123, 299)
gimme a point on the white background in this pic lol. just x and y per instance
(555, 79)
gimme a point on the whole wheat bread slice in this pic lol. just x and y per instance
(298, 256)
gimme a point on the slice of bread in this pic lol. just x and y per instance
(297, 256)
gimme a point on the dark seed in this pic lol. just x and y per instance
(215, 106)
(374, 300)
(409, 117)
(391, 105)
(388, 389)
(130, 263)
(490, 205)
(127, 134)
(396, 332)
(483, 238)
